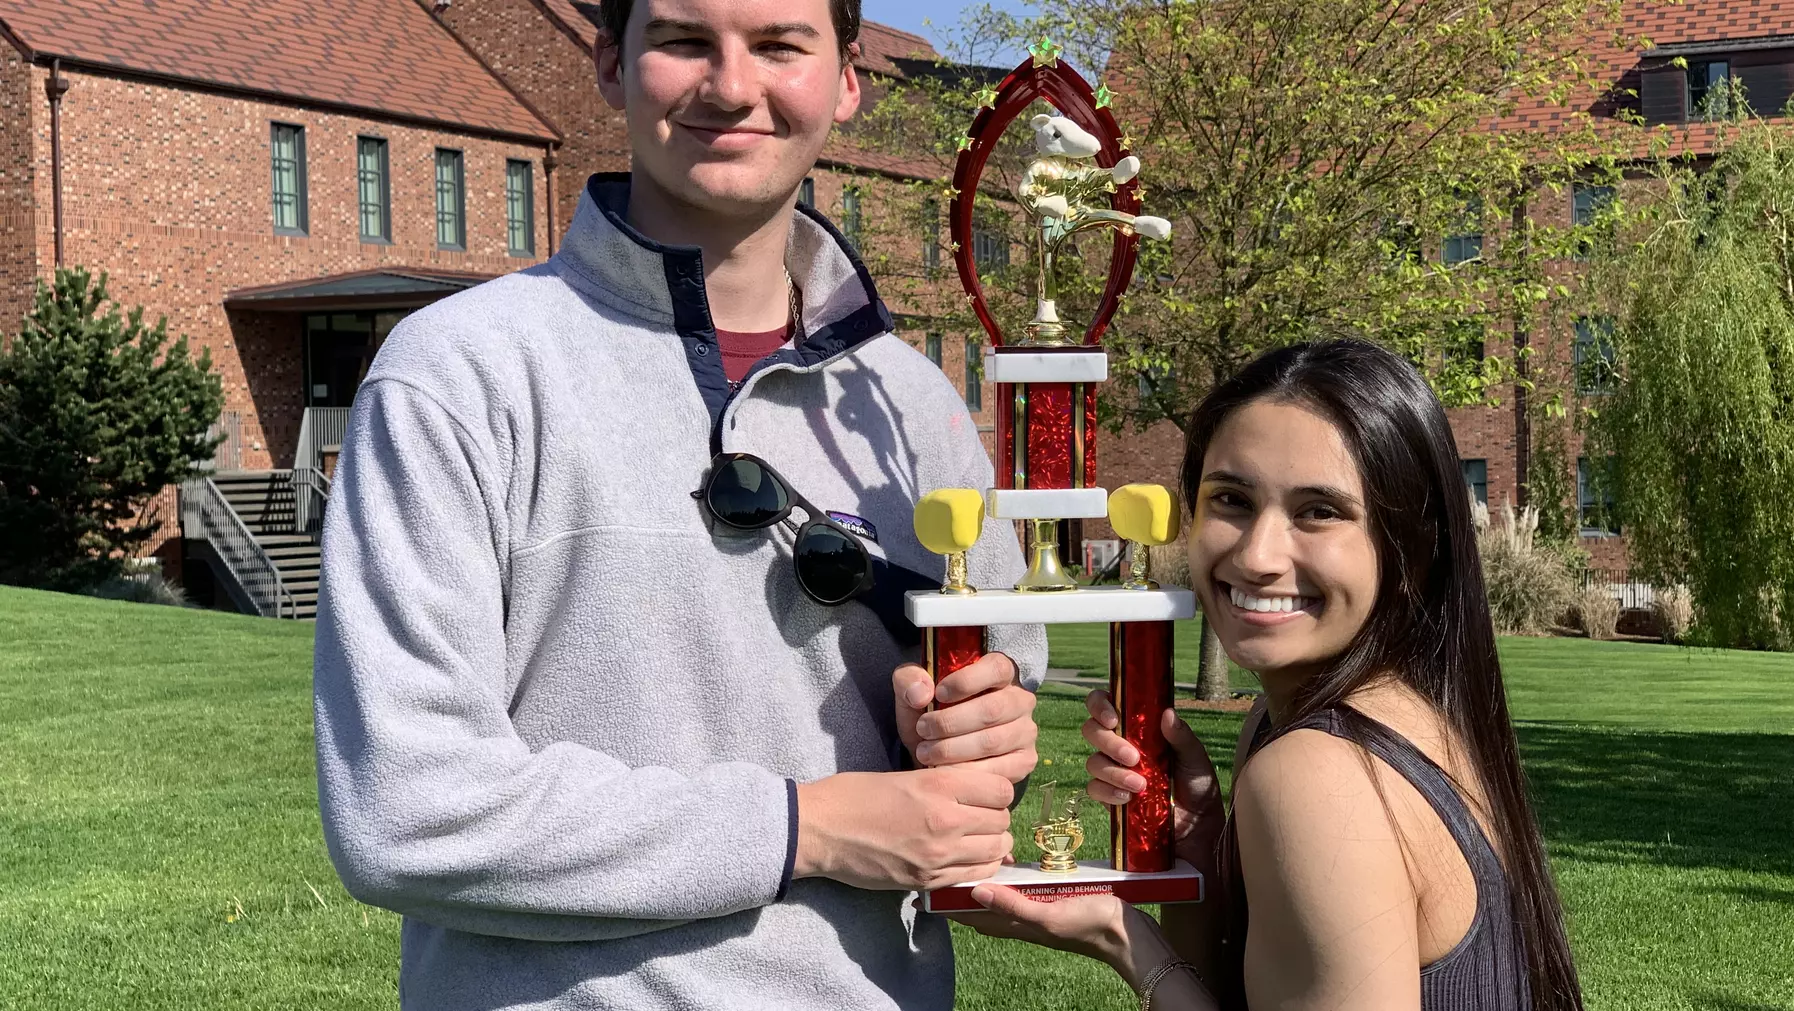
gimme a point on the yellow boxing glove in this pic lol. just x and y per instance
(949, 521)
(1146, 513)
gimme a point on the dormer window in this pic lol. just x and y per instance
(1709, 89)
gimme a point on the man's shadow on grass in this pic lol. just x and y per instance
(1615, 795)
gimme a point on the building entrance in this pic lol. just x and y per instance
(339, 346)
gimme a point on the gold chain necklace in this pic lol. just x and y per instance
(797, 312)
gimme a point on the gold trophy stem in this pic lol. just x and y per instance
(956, 576)
(1045, 574)
(1139, 568)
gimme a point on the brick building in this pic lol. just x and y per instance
(282, 182)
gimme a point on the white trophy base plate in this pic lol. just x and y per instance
(1047, 503)
(1069, 366)
(1182, 883)
(1093, 604)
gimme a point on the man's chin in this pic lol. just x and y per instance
(734, 191)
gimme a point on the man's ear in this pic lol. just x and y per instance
(849, 102)
(608, 55)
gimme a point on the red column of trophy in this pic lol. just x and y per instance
(1046, 382)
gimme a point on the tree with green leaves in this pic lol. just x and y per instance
(1698, 430)
(98, 413)
(1329, 168)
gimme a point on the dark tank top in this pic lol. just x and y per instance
(1486, 971)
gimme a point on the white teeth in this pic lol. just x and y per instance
(1248, 602)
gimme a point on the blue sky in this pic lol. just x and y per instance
(914, 15)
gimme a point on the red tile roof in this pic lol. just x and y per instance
(381, 56)
(878, 43)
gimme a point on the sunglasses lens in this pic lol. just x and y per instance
(830, 565)
(743, 494)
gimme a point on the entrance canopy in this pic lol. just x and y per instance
(362, 289)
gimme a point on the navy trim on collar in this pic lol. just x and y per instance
(691, 305)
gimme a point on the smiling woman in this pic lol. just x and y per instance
(1380, 831)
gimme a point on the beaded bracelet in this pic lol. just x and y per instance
(1157, 976)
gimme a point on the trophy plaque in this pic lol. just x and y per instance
(1047, 373)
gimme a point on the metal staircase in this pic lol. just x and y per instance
(242, 524)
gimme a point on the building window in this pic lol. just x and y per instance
(850, 216)
(1476, 478)
(806, 192)
(933, 345)
(1466, 243)
(931, 236)
(290, 212)
(451, 200)
(1709, 89)
(520, 207)
(1595, 365)
(374, 189)
(1587, 202)
(974, 377)
(1596, 501)
(990, 248)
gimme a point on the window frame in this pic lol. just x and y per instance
(931, 346)
(1586, 336)
(990, 248)
(528, 202)
(806, 192)
(1606, 520)
(1452, 248)
(384, 236)
(1478, 489)
(931, 236)
(853, 216)
(1697, 114)
(974, 392)
(301, 228)
(460, 195)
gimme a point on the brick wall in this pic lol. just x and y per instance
(552, 69)
(20, 104)
(168, 190)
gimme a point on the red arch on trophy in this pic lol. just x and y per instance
(1063, 88)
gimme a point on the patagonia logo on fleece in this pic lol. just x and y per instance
(859, 526)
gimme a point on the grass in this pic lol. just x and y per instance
(160, 847)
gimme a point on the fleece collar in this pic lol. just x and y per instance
(664, 285)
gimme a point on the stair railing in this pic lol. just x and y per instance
(319, 428)
(207, 515)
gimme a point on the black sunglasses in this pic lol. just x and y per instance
(744, 492)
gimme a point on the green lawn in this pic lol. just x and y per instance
(160, 849)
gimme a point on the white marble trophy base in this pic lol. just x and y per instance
(1080, 366)
(1093, 604)
(1047, 503)
(1182, 883)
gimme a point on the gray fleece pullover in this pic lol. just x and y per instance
(560, 717)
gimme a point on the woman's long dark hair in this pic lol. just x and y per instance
(1429, 625)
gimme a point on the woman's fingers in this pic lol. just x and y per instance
(1106, 771)
(1109, 742)
(1182, 739)
(1102, 710)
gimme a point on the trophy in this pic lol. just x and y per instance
(1058, 833)
(1082, 180)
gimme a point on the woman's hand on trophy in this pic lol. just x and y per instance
(985, 720)
(1200, 815)
(925, 829)
(1095, 926)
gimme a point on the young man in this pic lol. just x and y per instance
(599, 748)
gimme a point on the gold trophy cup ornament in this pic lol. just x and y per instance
(1146, 515)
(948, 522)
(1059, 833)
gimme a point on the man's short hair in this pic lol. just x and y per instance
(614, 16)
